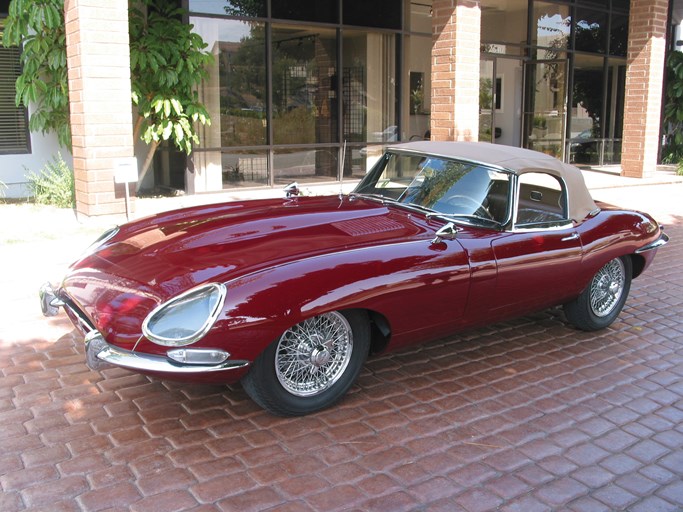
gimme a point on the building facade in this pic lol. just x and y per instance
(313, 90)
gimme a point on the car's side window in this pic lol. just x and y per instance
(541, 201)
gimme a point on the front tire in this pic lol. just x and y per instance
(601, 302)
(312, 365)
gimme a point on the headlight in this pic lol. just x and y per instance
(186, 318)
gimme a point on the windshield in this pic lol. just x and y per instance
(448, 187)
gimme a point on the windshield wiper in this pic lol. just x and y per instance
(378, 197)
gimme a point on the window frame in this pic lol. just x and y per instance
(550, 225)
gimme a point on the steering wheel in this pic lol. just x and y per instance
(476, 208)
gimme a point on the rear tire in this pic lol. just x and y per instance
(312, 365)
(603, 299)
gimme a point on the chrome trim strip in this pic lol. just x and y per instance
(662, 240)
(98, 348)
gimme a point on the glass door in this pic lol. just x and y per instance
(545, 113)
(487, 100)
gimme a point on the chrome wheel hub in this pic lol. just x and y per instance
(313, 355)
(607, 288)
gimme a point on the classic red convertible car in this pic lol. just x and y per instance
(289, 296)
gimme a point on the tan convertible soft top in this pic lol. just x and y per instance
(516, 160)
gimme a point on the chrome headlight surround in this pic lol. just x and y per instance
(101, 240)
(201, 305)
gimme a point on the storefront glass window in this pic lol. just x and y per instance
(305, 10)
(243, 168)
(587, 109)
(235, 92)
(375, 13)
(504, 22)
(245, 8)
(618, 41)
(305, 165)
(369, 87)
(304, 85)
(552, 24)
(590, 31)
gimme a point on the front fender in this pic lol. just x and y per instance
(416, 286)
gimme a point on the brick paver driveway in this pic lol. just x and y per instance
(525, 415)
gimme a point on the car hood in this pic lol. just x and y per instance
(154, 259)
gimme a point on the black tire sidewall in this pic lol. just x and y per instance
(580, 313)
(263, 386)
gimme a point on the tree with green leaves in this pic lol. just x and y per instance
(38, 26)
(168, 62)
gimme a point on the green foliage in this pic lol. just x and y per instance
(53, 185)
(168, 62)
(673, 110)
(38, 25)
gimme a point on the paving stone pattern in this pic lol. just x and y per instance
(528, 415)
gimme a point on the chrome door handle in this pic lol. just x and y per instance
(573, 236)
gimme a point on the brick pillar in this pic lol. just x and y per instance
(98, 62)
(644, 77)
(456, 35)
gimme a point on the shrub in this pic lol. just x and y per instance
(53, 185)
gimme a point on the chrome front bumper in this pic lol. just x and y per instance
(99, 354)
(49, 302)
(662, 240)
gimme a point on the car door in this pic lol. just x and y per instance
(538, 260)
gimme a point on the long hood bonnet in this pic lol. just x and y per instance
(166, 254)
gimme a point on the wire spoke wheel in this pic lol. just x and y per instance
(607, 287)
(313, 355)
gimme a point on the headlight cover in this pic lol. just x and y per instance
(186, 318)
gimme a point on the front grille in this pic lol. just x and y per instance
(77, 317)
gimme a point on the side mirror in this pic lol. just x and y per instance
(446, 232)
(292, 189)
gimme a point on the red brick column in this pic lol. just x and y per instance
(644, 77)
(456, 34)
(98, 61)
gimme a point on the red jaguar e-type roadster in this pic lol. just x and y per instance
(291, 295)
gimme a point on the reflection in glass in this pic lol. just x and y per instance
(486, 95)
(377, 13)
(246, 8)
(304, 85)
(504, 22)
(417, 97)
(369, 87)
(587, 107)
(244, 168)
(591, 31)
(235, 93)
(305, 165)
(618, 35)
(305, 10)
(553, 24)
(544, 119)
